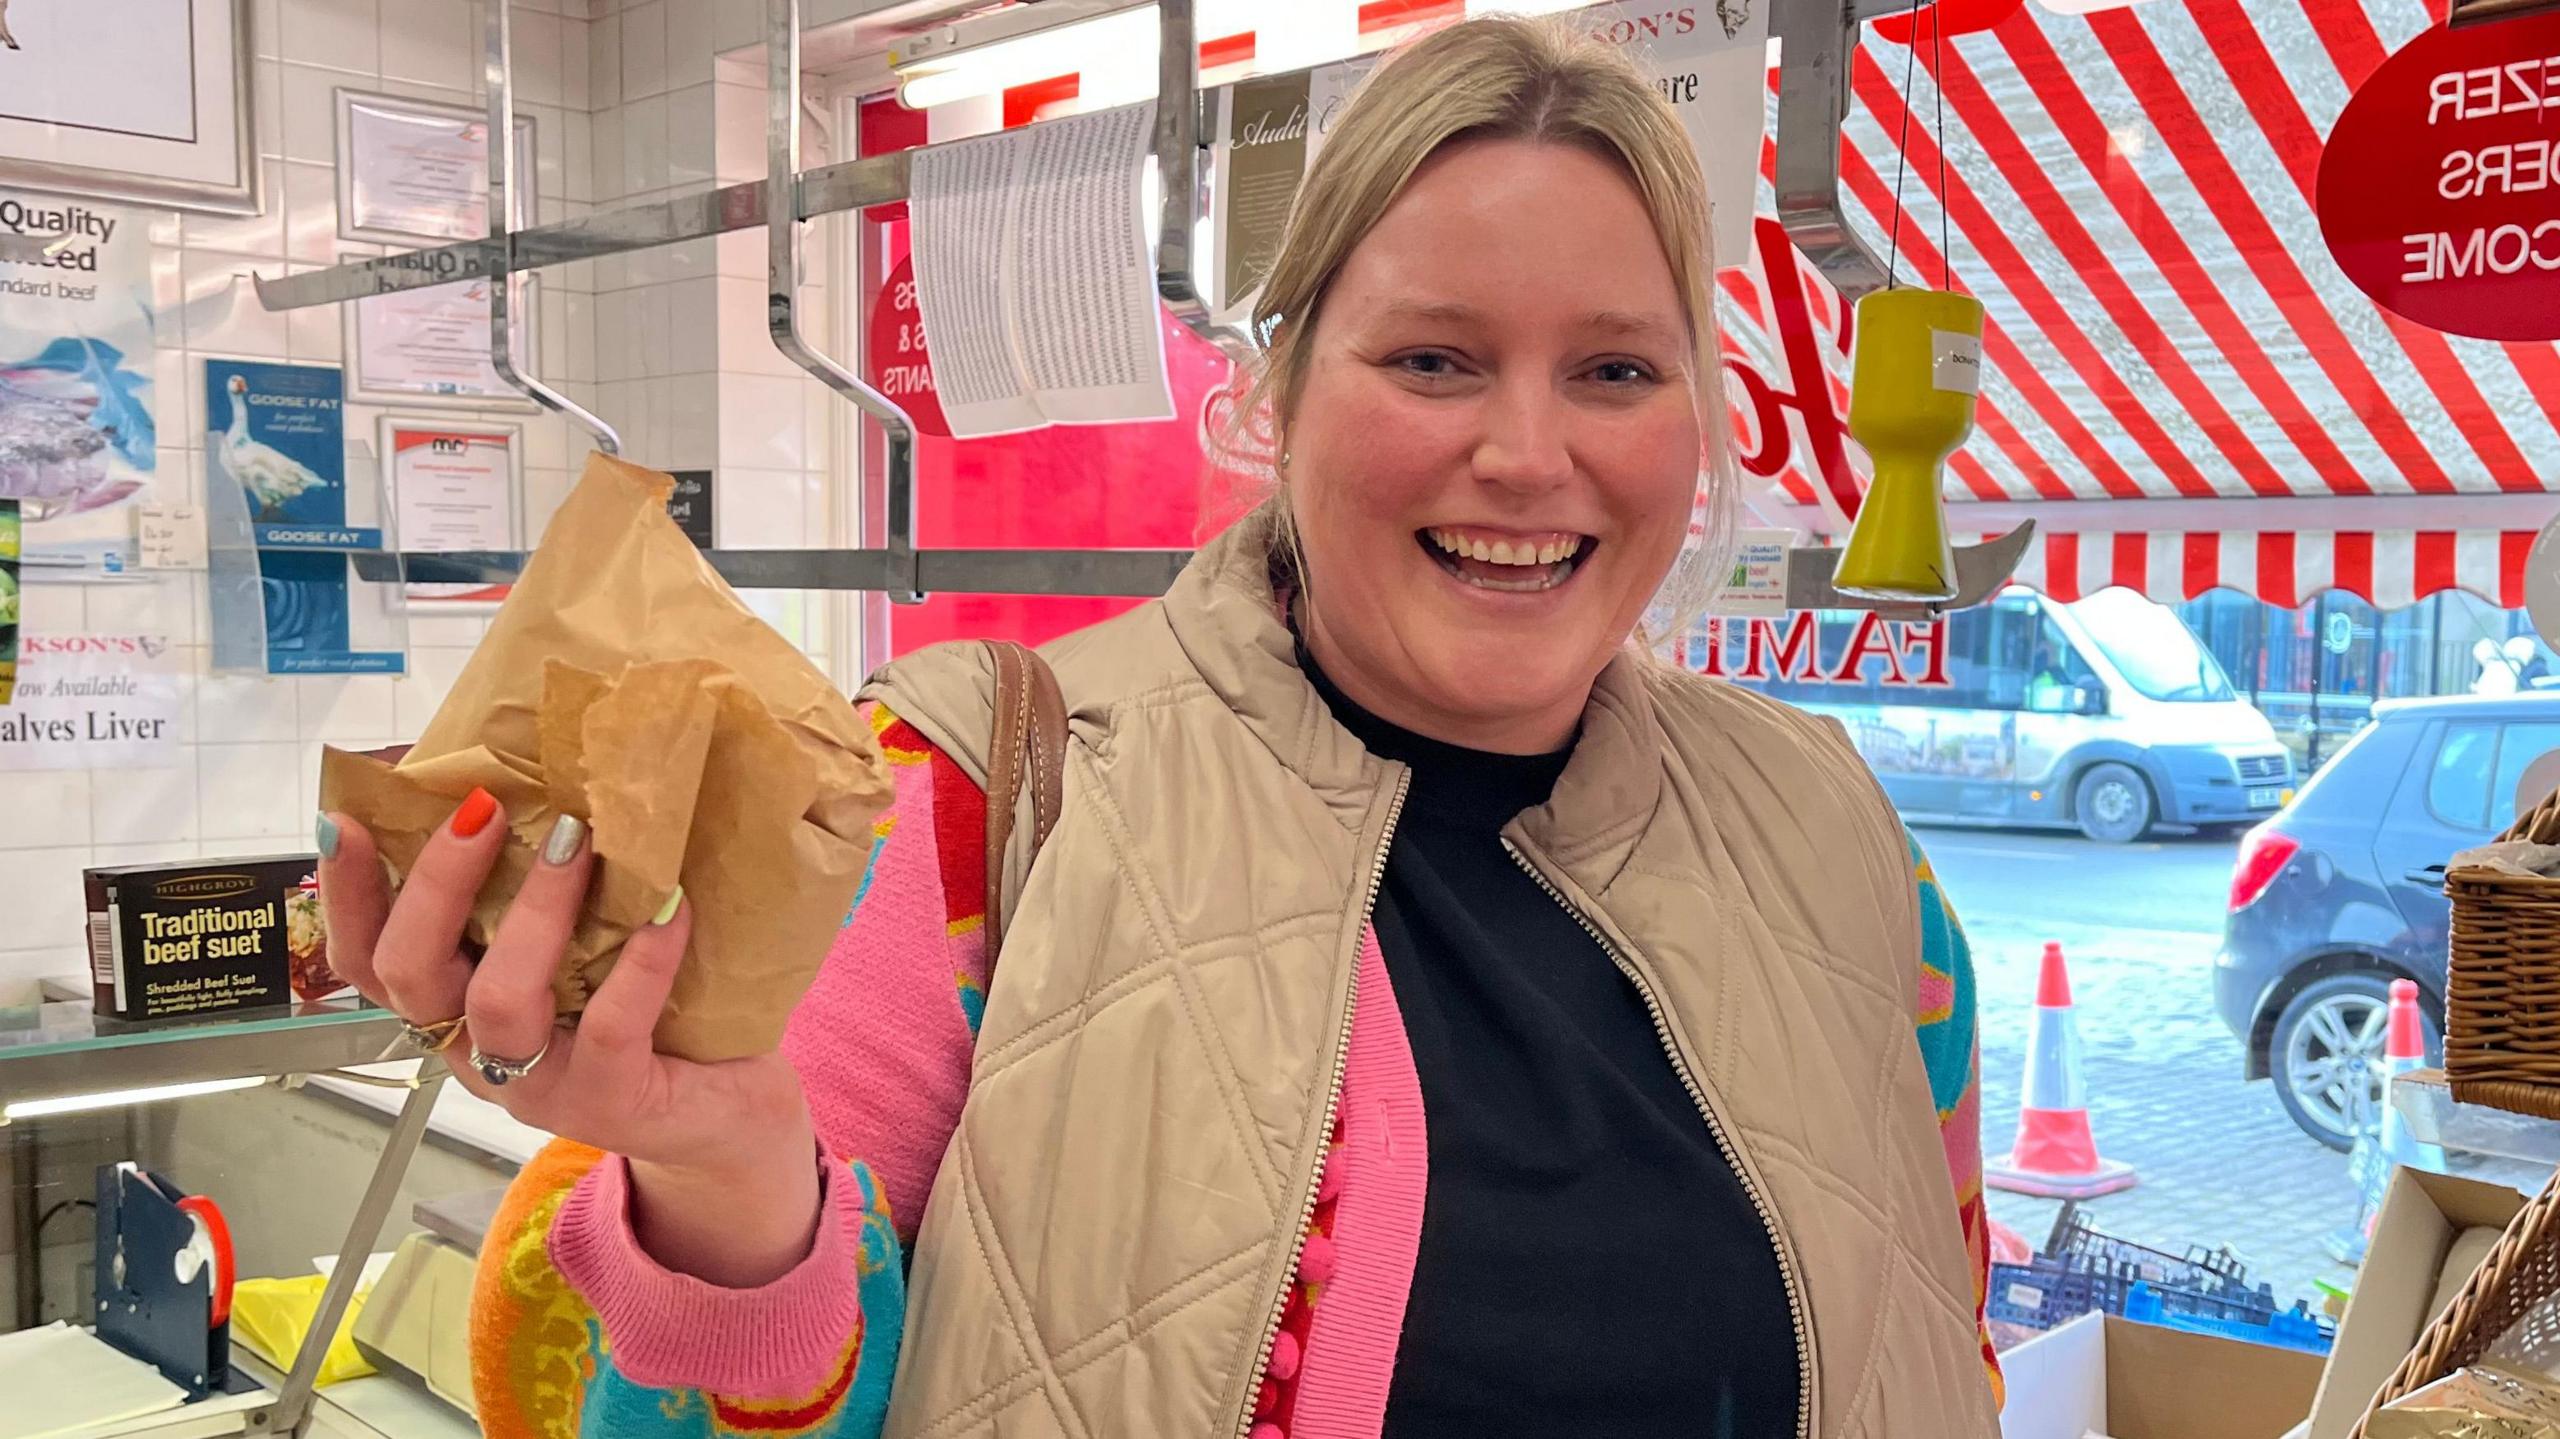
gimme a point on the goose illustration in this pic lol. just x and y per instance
(268, 474)
(5, 37)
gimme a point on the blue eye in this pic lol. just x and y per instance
(1428, 363)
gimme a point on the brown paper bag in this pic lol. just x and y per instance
(623, 682)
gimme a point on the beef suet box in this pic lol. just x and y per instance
(192, 940)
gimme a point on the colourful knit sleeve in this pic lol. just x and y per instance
(1951, 1046)
(576, 1332)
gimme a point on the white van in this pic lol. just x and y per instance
(2105, 714)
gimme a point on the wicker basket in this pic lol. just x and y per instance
(2502, 995)
(2521, 1271)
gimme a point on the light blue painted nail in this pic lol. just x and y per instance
(324, 833)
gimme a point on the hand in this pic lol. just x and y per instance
(722, 1155)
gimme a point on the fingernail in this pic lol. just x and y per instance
(667, 911)
(568, 836)
(324, 835)
(473, 817)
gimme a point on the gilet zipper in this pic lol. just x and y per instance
(1332, 1107)
(1715, 1130)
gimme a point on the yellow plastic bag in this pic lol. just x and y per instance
(271, 1316)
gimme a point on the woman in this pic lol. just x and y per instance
(1428, 1016)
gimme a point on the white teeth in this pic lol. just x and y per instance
(1523, 553)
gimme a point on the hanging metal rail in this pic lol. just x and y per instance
(1821, 31)
(501, 77)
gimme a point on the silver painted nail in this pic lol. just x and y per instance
(568, 836)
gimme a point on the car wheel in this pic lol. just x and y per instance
(2113, 804)
(2326, 1054)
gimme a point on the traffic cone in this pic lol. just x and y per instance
(2404, 1048)
(2384, 1142)
(2056, 1156)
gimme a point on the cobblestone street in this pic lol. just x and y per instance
(2220, 1162)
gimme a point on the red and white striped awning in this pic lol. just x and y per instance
(2183, 390)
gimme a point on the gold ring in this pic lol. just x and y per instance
(433, 1038)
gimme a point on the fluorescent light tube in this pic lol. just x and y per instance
(118, 1098)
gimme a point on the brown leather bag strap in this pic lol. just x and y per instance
(1029, 746)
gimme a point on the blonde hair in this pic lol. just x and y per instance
(1504, 77)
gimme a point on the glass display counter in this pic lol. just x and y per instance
(72, 1081)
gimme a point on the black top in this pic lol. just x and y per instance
(1590, 1264)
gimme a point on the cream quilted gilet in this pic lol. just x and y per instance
(1107, 1240)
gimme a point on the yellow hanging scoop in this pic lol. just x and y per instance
(1911, 389)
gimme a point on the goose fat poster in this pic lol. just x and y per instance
(277, 433)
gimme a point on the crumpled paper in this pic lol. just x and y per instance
(2481, 1402)
(2508, 1393)
(2511, 856)
(624, 682)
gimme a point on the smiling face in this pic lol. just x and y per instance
(1494, 452)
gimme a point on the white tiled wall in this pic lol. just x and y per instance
(669, 345)
(247, 775)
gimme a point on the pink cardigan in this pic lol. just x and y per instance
(883, 1043)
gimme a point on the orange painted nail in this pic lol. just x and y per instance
(477, 808)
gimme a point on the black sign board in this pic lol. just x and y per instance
(690, 506)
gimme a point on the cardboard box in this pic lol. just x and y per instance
(2114, 1379)
(189, 941)
(2402, 1285)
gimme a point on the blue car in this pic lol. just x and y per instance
(2343, 891)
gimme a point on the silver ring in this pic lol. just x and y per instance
(502, 1072)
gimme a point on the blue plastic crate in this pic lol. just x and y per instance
(2296, 1328)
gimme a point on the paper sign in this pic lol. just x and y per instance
(1710, 59)
(1271, 131)
(429, 342)
(453, 488)
(420, 170)
(690, 506)
(1757, 586)
(93, 701)
(171, 536)
(277, 432)
(1033, 277)
(76, 366)
(1957, 361)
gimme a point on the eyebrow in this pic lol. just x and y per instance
(1623, 323)
(1627, 323)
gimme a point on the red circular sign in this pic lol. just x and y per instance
(2439, 190)
(900, 367)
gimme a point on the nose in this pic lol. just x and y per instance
(1521, 444)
